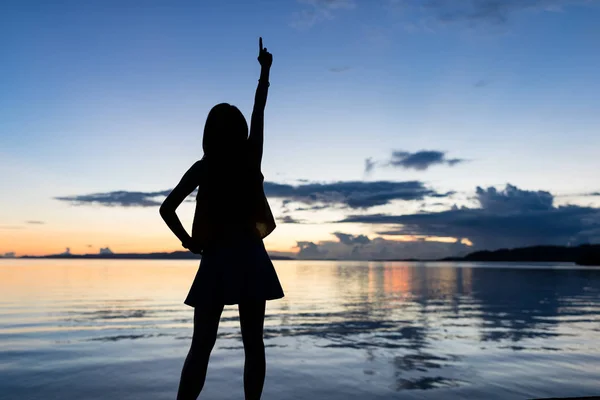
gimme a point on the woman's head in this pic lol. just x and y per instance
(225, 131)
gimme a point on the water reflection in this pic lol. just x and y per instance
(410, 311)
(526, 304)
(408, 326)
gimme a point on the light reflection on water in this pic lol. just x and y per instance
(91, 329)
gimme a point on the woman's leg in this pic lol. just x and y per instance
(252, 317)
(206, 324)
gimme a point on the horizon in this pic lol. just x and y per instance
(106, 252)
(392, 129)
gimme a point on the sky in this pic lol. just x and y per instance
(393, 129)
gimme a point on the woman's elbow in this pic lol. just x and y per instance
(165, 210)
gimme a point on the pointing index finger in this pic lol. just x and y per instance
(260, 43)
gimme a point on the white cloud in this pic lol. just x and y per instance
(360, 247)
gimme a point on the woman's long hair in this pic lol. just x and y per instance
(225, 135)
(225, 159)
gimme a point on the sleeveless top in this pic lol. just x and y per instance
(231, 201)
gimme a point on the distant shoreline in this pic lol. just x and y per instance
(587, 254)
(583, 255)
(176, 255)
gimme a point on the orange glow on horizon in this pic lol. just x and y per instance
(44, 241)
(466, 242)
(47, 240)
(414, 238)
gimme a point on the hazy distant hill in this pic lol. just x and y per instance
(585, 254)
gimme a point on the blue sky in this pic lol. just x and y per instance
(111, 95)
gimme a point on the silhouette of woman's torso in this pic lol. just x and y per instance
(230, 204)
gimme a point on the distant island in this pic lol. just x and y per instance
(587, 254)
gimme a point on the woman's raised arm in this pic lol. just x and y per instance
(256, 138)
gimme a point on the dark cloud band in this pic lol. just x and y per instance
(352, 194)
(421, 160)
(121, 198)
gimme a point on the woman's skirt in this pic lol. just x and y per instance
(236, 272)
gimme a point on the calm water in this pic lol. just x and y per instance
(118, 330)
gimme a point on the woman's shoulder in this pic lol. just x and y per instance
(198, 171)
(199, 167)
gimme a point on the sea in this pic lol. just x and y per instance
(118, 329)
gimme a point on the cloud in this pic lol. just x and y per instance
(316, 11)
(10, 227)
(508, 218)
(420, 160)
(290, 220)
(312, 208)
(121, 198)
(481, 83)
(35, 222)
(513, 199)
(351, 239)
(285, 206)
(360, 247)
(352, 194)
(339, 69)
(105, 251)
(369, 165)
(478, 12)
(309, 250)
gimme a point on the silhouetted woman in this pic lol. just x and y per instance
(232, 217)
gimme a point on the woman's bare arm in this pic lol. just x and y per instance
(188, 183)
(256, 138)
